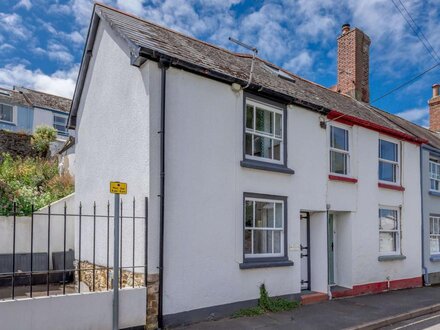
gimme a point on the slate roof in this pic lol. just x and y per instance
(21, 96)
(154, 38)
(44, 100)
(14, 97)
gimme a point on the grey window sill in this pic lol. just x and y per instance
(265, 264)
(434, 193)
(391, 257)
(266, 166)
(435, 258)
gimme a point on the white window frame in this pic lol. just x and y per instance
(65, 133)
(397, 163)
(397, 231)
(14, 115)
(253, 132)
(346, 152)
(273, 229)
(433, 176)
(433, 233)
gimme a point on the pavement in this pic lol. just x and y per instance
(363, 312)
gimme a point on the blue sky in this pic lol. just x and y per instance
(41, 41)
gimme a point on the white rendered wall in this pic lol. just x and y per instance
(23, 230)
(113, 145)
(318, 252)
(92, 311)
(204, 194)
(42, 117)
(366, 267)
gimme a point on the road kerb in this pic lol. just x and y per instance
(377, 324)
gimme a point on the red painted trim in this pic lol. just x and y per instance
(390, 186)
(406, 283)
(342, 178)
(351, 120)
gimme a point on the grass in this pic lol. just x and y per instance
(267, 304)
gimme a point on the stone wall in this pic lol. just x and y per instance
(101, 280)
(16, 144)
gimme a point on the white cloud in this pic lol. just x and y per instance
(417, 115)
(300, 63)
(27, 4)
(59, 52)
(13, 24)
(60, 83)
(5, 47)
(134, 7)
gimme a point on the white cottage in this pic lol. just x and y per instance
(265, 179)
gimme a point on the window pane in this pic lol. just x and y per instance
(338, 138)
(264, 216)
(262, 241)
(248, 241)
(387, 172)
(435, 244)
(338, 162)
(59, 120)
(264, 121)
(277, 241)
(388, 150)
(388, 219)
(249, 214)
(6, 112)
(262, 147)
(248, 143)
(276, 150)
(278, 215)
(278, 126)
(387, 242)
(249, 116)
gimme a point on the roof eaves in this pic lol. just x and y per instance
(85, 61)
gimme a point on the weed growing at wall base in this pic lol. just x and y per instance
(267, 304)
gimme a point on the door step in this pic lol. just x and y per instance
(313, 298)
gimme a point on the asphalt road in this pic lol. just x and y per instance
(425, 322)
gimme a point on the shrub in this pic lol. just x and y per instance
(31, 181)
(42, 138)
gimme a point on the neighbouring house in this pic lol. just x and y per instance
(263, 178)
(430, 163)
(23, 110)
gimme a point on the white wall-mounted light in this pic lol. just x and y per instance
(236, 87)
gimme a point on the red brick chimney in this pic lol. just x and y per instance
(434, 109)
(353, 63)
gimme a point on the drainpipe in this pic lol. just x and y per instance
(424, 269)
(329, 291)
(164, 64)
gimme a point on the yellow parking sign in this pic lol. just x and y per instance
(118, 187)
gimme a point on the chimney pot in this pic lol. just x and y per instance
(345, 28)
(435, 90)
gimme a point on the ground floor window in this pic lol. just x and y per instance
(434, 234)
(389, 231)
(264, 226)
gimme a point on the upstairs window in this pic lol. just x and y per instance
(339, 151)
(388, 161)
(59, 123)
(434, 234)
(389, 231)
(6, 113)
(264, 132)
(434, 174)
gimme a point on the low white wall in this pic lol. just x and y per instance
(23, 230)
(74, 312)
